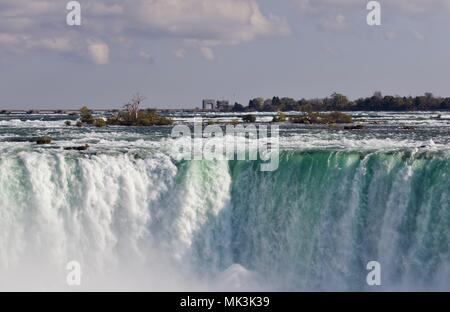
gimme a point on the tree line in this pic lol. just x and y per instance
(339, 102)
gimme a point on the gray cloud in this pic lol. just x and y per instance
(409, 6)
(347, 15)
(99, 52)
(40, 24)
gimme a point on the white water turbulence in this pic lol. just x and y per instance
(131, 223)
(151, 224)
(135, 218)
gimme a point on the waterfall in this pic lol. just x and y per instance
(150, 222)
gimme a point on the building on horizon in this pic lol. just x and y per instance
(223, 106)
(213, 105)
(209, 104)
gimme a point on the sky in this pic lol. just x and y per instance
(178, 52)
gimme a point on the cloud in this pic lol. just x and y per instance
(8, 39)
(99, 52)
(180, 53)
(227, 21)
(146, 56)
(348, 15)
(408, 6)
(315, 6)
(335, 24)
(100, 8)
(57, 44)
(207, 53)
(116, 23)
(420, 6)
(418, 35)
(390, 34)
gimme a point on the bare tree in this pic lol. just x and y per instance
(134, 106)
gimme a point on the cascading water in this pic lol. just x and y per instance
(317, 221)
(147, 222)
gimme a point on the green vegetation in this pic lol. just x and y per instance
(212, 122)
(339, 102)
(99, 123)
(281, 117)
(143, 119)
(86, 116)
(337, 117)
(323, 118)
(132, 115)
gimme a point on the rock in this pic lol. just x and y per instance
(43, 140)
(77, 148)
(249, 118)
(357, 127)
(234, 122)
(333, 126)
(300, 120)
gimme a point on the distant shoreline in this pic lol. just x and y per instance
(334, 103)
(174, 111)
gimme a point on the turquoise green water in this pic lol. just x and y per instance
(135, 218)
(318, 220)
